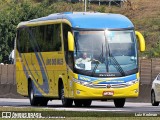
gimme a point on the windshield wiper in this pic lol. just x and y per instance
(116, 64)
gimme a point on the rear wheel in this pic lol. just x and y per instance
(119, 103)
(43, 101)
(65, 101)
(153, 99)
(36, 101)
(33, 100)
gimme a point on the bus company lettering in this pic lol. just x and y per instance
(54, 61)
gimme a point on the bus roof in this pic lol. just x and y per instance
(89, 20)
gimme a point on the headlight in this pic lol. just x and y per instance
(132, 82)
(85, 83)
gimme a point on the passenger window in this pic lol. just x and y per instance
(23, 42)
(44, 38)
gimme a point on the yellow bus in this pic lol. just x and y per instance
(50, 63)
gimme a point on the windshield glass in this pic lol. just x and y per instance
(105, 51)
(122, 49)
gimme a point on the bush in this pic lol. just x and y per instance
(11, 15)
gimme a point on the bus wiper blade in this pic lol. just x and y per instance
(117, 65)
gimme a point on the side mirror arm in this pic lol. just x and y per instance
(70, 41)
(141, 41)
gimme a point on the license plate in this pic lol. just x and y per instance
(108, 93)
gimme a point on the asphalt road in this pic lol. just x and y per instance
(96, 106)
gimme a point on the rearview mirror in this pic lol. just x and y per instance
(70, 42)
(141, 41)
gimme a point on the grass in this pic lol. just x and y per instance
(93, 118)
(76, 115)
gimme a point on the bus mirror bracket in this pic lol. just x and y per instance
(70, 42)
(141, 41)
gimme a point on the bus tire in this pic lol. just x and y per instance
(78, 103)
(65, 101)
(119, 103)
(87, 103)
(43, 101)
(153, 99)
(34, 101)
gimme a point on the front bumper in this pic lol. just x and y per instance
(83, 92)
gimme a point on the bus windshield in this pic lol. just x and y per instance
(98, 52)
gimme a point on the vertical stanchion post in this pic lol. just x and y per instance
(85, 5)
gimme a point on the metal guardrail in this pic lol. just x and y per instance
(109, 2)
(116, 2)
(106, 0)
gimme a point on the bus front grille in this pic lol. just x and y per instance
(109, 86)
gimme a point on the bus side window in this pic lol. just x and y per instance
(47, 38)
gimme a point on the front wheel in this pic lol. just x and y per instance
(84, 103)
(78, 103)
(119, 103)
(153, 99)
(87, 103)
(65, 101)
